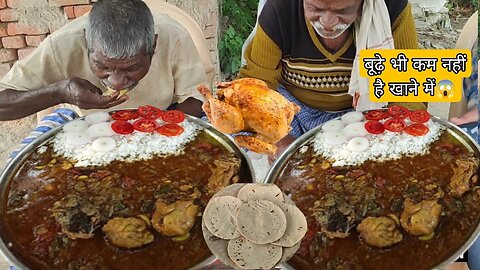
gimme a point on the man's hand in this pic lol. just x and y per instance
(191, 106)
(469, 117)
(355, 100)
(85, 95)
(281, 146)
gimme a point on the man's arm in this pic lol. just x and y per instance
(263, 59)
(468, 117)
(16, 104)
(39, 81)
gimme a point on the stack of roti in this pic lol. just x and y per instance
(253, 226)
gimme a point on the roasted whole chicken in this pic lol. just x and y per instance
(249, 105)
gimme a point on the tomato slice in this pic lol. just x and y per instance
(122, 127)
(394, 125)
(417, 129)
(173, 116)
(145, 125)
(399, 112)
(149, 112)
(419, 116)
(170, 129)
(124, 115)
(374, 127)
(376, 115)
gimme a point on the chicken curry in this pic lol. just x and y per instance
(409, 213)
(137, 215)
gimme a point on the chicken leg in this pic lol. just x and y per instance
(256, 143)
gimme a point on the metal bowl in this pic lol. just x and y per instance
(11, 169)
(279, 165)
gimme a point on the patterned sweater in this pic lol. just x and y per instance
(286, 50)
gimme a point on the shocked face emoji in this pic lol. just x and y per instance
(445, 89)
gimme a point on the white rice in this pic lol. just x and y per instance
(132, 147)
(386, 146)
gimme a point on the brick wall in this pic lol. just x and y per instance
(206, 13)
(25, 23)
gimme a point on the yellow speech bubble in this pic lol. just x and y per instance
(415, 75)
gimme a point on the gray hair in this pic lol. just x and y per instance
(120, 28)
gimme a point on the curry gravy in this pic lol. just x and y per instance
(120, 189)
(379, 189)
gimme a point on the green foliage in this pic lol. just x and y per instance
(238, 20)
(461, 3)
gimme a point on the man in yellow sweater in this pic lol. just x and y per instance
(306, 49)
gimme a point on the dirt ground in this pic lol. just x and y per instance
(434, 37)
(12, 133)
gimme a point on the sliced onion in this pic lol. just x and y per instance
(77, 138)
(104, 144)
(101, 130)
(352, 117)
(358, 144)
(97, 117)
(355, 130)
(333, 138)
(75, 126)
(333, 125)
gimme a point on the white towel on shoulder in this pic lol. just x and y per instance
(372, 31)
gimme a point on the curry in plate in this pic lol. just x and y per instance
(138, 214)
(408, 212)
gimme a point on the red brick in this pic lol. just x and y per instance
(3, 30)
(24, 52)
(3, 4)
(13, 42)
(8, 15)
(81, 10)
(7, 55)
(4, 68)
(69, 12)
(34, 40)
(14, 29)
(68, 2)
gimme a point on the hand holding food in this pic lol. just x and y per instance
(85, 95)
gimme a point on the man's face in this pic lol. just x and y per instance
(119, 74)
(331, 18)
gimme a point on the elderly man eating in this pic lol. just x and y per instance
(91, 62)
